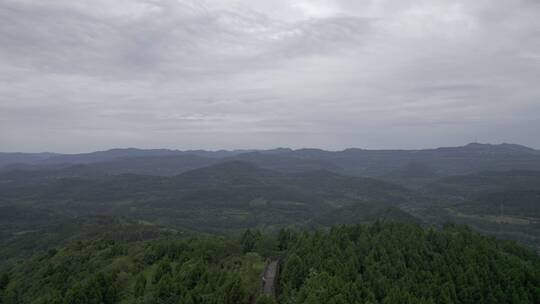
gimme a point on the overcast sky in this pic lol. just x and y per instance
(91, 75)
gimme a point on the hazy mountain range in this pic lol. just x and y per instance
(409, 163)
(493, 188)
(51, 204)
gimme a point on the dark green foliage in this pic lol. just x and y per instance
(4, 281)
(249, 240)
(197, 270)
(265, 299)
(284, 238)
(80, 228)
(396, 263)
(233, 291)
(163, 268)
(100, 289)
(381, 263)
(140, 286)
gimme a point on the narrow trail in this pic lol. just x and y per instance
(269, 278)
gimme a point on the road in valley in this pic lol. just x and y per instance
(269, 278)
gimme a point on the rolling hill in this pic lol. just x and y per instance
(501, 203)
(227, 196)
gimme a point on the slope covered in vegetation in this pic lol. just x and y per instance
(380, 263)
(226, 197)
(178, 270)
(397, 263)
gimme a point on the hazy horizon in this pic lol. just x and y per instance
(255, 149)
(80, 76)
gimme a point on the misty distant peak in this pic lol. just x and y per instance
(499, 147)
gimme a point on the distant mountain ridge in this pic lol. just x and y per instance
(131, 151)
(217, 191)
(445, 161)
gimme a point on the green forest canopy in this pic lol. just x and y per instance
(380, 263)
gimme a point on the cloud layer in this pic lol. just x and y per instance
(87, 75)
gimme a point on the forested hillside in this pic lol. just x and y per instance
(160, 226)
(406, 264)
(177, 270)
(380, 263)
(224, 197)
(501, 203)
(229, 195)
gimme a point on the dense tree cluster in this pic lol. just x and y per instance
(198, 270)
(396, 263)
(381, 263)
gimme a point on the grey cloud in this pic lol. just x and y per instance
(330, 74)
(175, 39)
